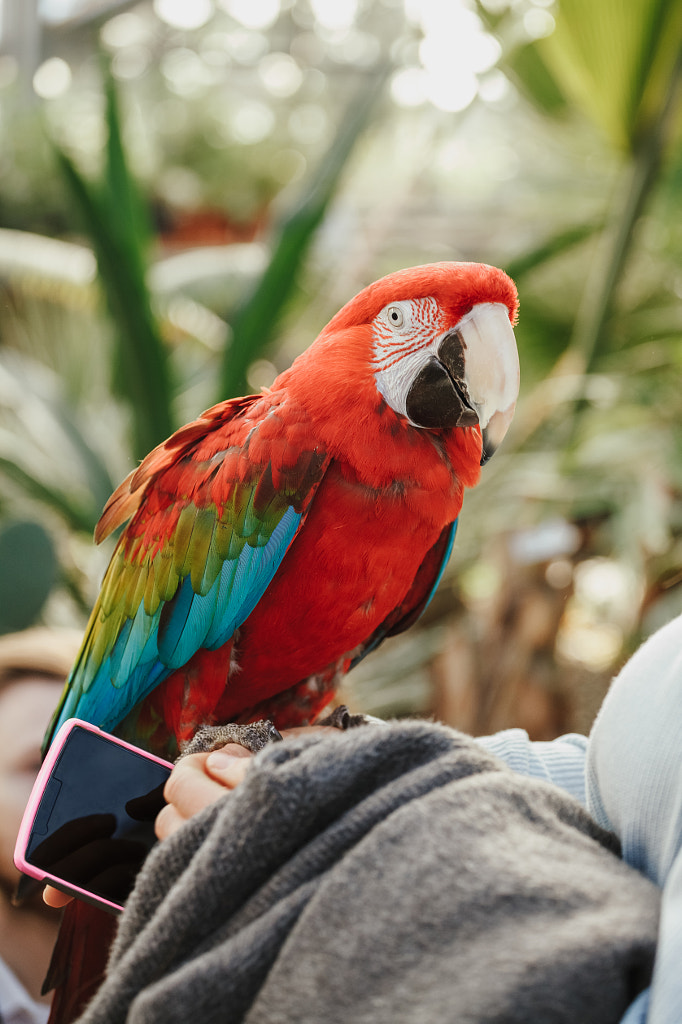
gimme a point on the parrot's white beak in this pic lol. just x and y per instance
(491, 370)
(471, 377)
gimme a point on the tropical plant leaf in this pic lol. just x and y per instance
(111, 217)
(99, 481)
(615, 61)
(76, 516)
(119, 190)
(528, 69)
(551, 247)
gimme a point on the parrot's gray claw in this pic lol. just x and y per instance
(253, 736)
(341, 718)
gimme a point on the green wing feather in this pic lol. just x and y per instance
(212, 513)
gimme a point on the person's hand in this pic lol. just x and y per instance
(200, 779)
(197, 781)
(55, 897)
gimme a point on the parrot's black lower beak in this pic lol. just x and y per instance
(437, 397)
(494, 432)
(488, 447)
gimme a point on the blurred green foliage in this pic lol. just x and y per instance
(115, 217)
(28, 563)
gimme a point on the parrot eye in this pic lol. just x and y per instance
(395, 316)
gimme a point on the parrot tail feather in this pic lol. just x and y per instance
(79, 960)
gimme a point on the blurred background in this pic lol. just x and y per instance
(189, 189)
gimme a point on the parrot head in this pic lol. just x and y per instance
(442, 347)
(440, 375)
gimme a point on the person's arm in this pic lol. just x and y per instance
(201, 779)
(560, 761)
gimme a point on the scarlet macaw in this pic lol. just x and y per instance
(276, 539)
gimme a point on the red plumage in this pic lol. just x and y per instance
(375, 491)
(387, 494)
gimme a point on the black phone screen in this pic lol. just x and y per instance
(95, 822)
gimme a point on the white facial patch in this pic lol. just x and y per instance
(403, 332)
(408, 333)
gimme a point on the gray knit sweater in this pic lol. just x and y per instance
(393, 876)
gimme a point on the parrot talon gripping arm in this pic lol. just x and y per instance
(257, 735)
(253, 736)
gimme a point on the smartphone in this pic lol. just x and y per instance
(89, 822)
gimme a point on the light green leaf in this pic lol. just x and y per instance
(615, 60)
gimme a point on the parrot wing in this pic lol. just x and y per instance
(214, 510)
(418, 596)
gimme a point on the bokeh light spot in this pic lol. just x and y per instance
(131, 62)
(246, 47)
(127, 29)
(181, 14)
(52, 78)
(334, 14)
(252, 13)
(260, 374)
(538, 23)
(251, 123)
(280, 74)
(185, 72)
(409, 87)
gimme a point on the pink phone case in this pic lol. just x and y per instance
(34, 801)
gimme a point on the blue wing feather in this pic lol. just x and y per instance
(150, 647)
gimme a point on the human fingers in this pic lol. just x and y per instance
(191, 786)
(167, 822)
(200, 779)
(55, 897)
(226, 767)
(230, 763)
